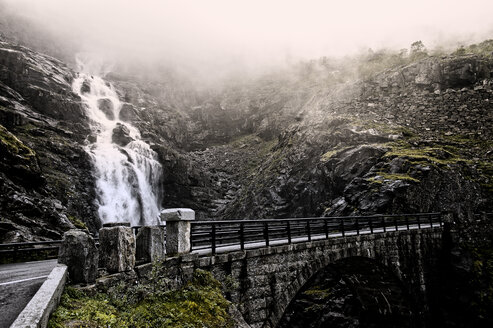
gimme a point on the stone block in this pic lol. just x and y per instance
(151, 243)
(117, 249)
(177, 214)
(79, 252)
(178, 229)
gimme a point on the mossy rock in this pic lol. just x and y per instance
(199, 303)
(12, 145)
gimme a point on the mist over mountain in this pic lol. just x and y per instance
(112, 110)
(210, 39)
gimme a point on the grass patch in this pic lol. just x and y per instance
(328, 155)
(382, 176)
(11, 144)
(441, 155)
(199, 303)
(77, 222)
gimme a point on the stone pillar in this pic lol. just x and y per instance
(117, 247)
(177, 229)
(79, 252)
(150, 243)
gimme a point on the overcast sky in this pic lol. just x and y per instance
(256, 31)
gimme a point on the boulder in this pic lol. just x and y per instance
(117, 249)
(151, 243)
(106, 106)
(121, 135)
(128, 113)
(92, 138)
(86, 87)
(79, 252)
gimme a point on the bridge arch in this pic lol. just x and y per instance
(349, 292)
(268, 279)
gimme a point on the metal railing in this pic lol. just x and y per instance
(212, 235)
(29, 251)
(249, 233)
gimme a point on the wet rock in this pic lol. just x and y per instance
(121, 135)
(128, 113)
(106, 106)
(92, 138)
(117, 249)
(86, 87)
(79, 252)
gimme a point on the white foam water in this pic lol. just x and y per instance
(127, 178)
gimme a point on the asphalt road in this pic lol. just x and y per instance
(18, 284)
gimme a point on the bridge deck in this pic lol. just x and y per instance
(283, 241)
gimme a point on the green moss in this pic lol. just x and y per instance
(76, 222)
(383, 176)
(328, 155)
(318, 293)
(439, 154)
(14, 145)
(199, 303)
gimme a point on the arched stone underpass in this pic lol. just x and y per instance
(264, 281)
(352, 292)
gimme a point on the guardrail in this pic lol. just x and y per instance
(245, 233)
(214, 234)
(30, 251)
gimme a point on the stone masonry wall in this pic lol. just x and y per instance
(262, 282)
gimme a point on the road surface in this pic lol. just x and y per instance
(18, 284)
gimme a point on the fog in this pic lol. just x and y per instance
(222, 35)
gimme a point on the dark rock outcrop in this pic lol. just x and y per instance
(121, 135)
(46, 185)
(106, 106)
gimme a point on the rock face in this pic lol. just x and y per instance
(46, 185)
(128, 113)
(106, 106)
(79, 252)
(117, 249)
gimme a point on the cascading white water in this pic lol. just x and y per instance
(127, 175)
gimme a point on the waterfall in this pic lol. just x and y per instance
(126, 168)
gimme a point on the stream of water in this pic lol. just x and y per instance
(127, 172)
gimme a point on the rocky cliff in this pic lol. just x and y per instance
(298, 142)
(46, 186)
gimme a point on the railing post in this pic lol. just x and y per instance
(289, 231)
(370, 223)
(419, 222)
(383, 224)
(440, 219)
(407, 222)
(342, 227)
(395, 223)
(357, 226)
(266, 233)
(242, 236)
(178, 229)
(431, 220)
(213, 238)
(326, 229)
(308, 230)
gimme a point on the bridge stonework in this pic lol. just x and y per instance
(264, 281)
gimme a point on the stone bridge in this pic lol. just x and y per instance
(265, 280)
